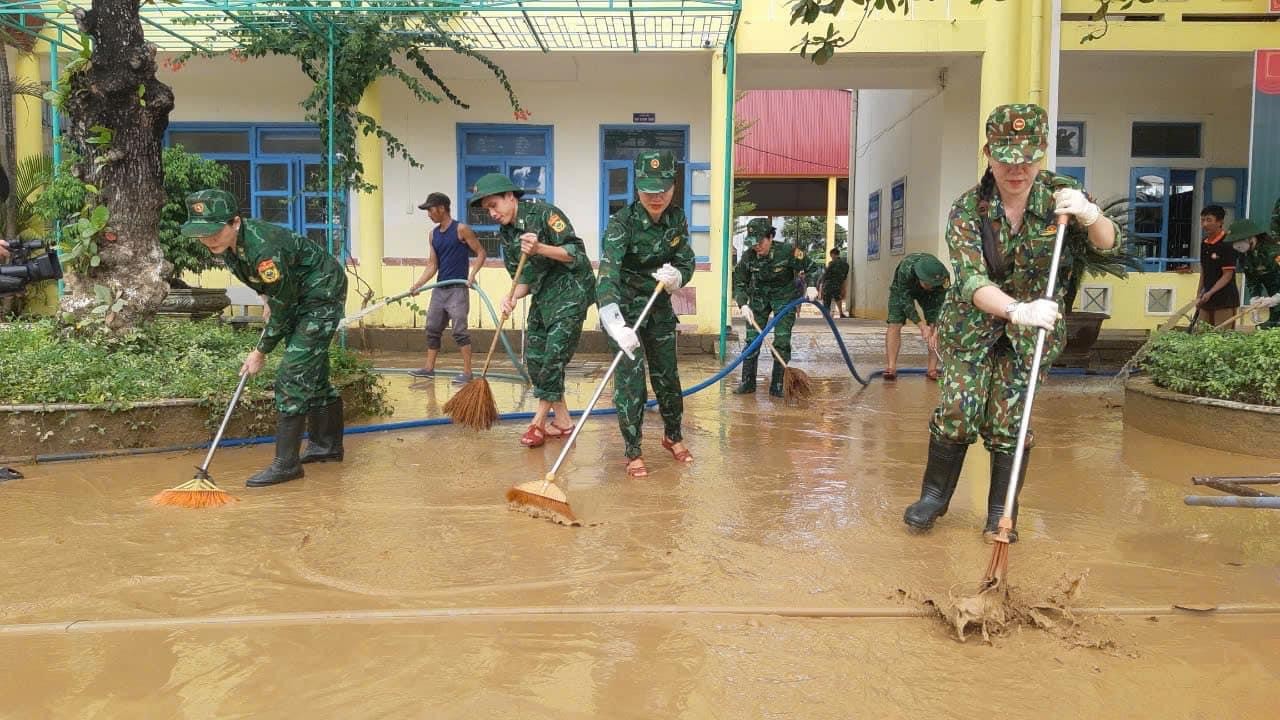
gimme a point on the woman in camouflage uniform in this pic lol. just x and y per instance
(1001, 236)
(646, 243)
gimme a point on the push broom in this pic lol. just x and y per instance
(543, 498)
(473, 406)
(998, 567)
(199, 491)
(796, 386)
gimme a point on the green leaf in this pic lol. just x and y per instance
(102, 292)
(100, 216)
(95, 261)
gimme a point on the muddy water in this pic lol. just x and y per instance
(784, 507)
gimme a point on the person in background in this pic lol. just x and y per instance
(1218, 296)
(833, 282)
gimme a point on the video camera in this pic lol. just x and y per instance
(29, 262)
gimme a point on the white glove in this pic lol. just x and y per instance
(669, 276)
(747, 315)
(611, 319)
(811, 293)
(1265, 302)
(1070, 201)
(1040, 313)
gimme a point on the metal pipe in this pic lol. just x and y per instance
(1270, 503)
(1233, 488)
(1241, 479)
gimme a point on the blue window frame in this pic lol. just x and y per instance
(523, 153)
(619, 145)
(278, 173)
(1073, 172)
(1162, 225)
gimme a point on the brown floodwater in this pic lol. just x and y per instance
(398, 584)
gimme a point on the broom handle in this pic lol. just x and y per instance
(777, 355)
(226, 417)
(1233, 318)
(573, 437)
(503, 320)
(1019, 455)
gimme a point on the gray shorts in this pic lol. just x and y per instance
(448, 303)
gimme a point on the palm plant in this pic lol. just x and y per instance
(1082, 259)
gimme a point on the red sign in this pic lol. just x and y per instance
(1267, 71)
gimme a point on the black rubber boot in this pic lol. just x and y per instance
(1001, 471)
(285, 466)
(940, 477)
(775, 380)
(324, 427)
(748, 383)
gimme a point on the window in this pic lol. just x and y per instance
(1095, 298)
(619, 146)
(1159, 301)
(873, 226)
(1165, 140)
(1164, 226)
(1070, 143)
(521, 152)
(898, 218)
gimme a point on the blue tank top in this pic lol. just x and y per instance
(452, 255)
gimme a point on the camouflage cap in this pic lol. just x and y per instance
(932, 272)
(655, 171)
(1017, 133)
(493, 184)
(208, 211)
(757, 230)
(1244, 229)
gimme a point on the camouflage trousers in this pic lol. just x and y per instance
(554, 327)
(302, 381)
(764, 308)
(982, 395)
(657, 350)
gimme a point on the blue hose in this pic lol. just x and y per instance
(515, 359)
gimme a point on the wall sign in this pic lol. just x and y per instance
(644, 117)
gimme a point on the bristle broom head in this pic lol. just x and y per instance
(550, 503)
(198, 492)
(796, 386)
(473, 406)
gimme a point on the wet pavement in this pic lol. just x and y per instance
(397, 584)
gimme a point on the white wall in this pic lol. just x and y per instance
(929, 137)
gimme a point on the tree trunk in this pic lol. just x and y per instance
(10, 227)
(119, 91)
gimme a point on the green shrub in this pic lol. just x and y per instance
(162, 360)
(1228, 366)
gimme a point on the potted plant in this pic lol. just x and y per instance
(1081, 259)
(185, 173)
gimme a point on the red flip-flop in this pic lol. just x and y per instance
(533, 437)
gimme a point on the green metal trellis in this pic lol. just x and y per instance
(485, 25)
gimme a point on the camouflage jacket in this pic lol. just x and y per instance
(772, 276)
(635, 246)
(836, 273)
(569, 283)
(906, 288)
(1262, 269)
(294, 273)
(1027, 255)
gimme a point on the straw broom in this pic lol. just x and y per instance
(543, 498)
(796, 386)
(473, 406)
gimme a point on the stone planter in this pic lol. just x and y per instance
(194, 303)
(1254, 429)
(1082, 333)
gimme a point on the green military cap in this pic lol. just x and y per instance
(1244, 229)
(1017, 133)
(931, 271)
(655, 171)
(493, 184)
(757, 230)
(208, 211)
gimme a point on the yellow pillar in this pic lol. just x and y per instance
(368, 242)
(1000, 63)
(831, 217)
(709, 283)
(27, 124)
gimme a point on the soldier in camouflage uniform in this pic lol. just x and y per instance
(833, 282)
(1001, 237)
(763, 282)
(304, 288)
(646, 243)
(1260, 257)
(920, 277)
(558, 278)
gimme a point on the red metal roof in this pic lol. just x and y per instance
(797, 133)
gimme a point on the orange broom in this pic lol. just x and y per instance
(473, 406)
(199, 491)
(796, 386)
(994, 579)
(542, 498)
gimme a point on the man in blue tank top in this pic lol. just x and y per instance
(452, 246)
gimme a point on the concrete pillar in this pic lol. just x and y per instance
(27, 123)
(1000, 65)
(367, 245)
(831, 217)
(710, 285)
